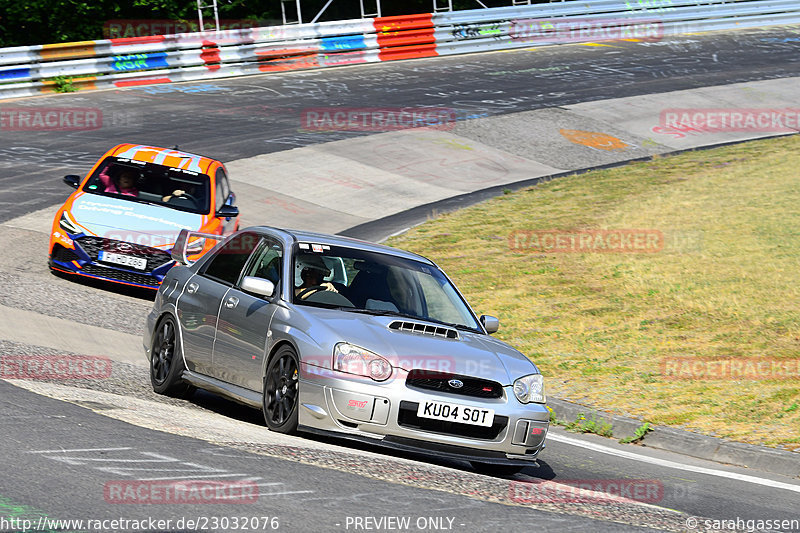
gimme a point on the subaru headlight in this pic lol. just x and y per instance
(530, 389)
(68, 224)
(356, 360)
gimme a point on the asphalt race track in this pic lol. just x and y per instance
(60, 456)
(244, 117)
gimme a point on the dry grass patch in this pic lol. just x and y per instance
(601, 325)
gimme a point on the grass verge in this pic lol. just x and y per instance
(639, 333)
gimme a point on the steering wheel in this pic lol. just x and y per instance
(310, 290)
(190, 197)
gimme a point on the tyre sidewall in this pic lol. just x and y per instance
(173, 381)
(290, 425)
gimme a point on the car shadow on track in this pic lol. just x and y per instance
(126, 290)
(243, 413)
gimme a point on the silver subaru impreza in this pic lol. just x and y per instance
(347, 338)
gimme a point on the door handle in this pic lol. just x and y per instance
(232, 302)
(192, 288)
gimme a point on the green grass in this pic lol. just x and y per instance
(600, 325)
(590, 425)
(63, 84)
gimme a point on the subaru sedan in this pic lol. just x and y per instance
(345, 338)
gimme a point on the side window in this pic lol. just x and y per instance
(228, 262)
(268, 262)
(222, 187)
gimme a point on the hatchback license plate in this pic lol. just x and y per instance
(452, 412)
(119, 259)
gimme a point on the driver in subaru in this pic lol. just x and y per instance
(313, 272)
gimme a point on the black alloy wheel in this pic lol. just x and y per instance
(281, 391)
(166, 361)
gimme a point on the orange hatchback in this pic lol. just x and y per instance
(123, 219)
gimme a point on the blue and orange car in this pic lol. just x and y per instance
(123, 219)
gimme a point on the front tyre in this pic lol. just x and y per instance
(281, 391)
(166, 361)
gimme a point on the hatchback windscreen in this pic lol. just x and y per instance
(151, 183)
(377, 283)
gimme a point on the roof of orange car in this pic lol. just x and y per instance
(164, 156)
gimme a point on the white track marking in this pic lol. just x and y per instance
(190, 478)
(672, 464)
(81, 450)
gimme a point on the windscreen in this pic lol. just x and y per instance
(379, 283)
(151, 183)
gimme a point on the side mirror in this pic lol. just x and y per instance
(227, 211)
(178, 253)
(490, 323)
(179, 250)
(260, 286)
(72, 180)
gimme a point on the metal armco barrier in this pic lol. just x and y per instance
(110, 63)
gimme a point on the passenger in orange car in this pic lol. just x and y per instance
(124, 182)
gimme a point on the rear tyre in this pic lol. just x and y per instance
(496, 470)
(281, 391)
(166, 361)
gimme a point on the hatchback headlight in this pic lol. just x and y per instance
(67, 224)
(355, 360)
(530, 389)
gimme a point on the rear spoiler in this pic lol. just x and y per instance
(181, 244)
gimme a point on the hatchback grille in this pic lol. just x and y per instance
(121, 275)
(440, 381)
(425, 329)
(93, 245)
(407, 417)
(65, 255)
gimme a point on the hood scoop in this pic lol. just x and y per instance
(424, 329)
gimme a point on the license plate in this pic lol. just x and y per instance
(119, 259)
(452, 412)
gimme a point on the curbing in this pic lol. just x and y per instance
(688, 443)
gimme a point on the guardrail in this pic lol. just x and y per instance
(125, 62)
